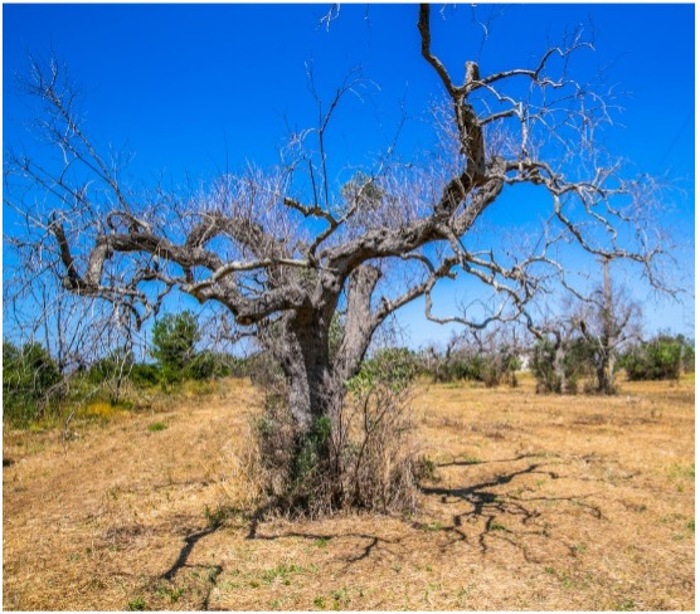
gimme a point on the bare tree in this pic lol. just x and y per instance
(283, 251)
(438, 362)
(490, 355)
(587, 336)
(608, 322)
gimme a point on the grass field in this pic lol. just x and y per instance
(539, 503)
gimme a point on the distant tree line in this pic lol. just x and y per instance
(491, 358)
(664, 357)
(34, 386)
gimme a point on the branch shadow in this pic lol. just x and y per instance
(213, 570)
(489, 506)
(190, 542)
(374, 541)
(486, 506)
(465, 463)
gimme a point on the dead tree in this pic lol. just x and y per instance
(283, 251)
(608, 322)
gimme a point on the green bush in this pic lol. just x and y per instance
(465, 366)
(490, 368)
(393, 367)
(542, 367)
(30, 383)
(497, 367)
(208, 364)
(144, 375)
(663, 357)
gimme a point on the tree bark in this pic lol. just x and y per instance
(303, 354)
(300, 343)
(560, 368)
(360, 323)
(605, 371)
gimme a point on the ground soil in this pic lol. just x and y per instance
(537, 503)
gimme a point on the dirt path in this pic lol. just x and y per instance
(540, 503)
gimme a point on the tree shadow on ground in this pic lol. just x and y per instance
(190, 542)
(495, 509)
(212, 571)
(485, 506)
(373, 541)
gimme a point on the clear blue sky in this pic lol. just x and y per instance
(187, 86)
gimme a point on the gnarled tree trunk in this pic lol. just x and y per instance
(302, 350)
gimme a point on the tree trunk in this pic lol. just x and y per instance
(606, 361)
(314, 398)
(360, 323)
(559, 366)
(315, 381)
(605, 372)
(304, 357)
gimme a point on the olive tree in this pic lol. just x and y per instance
(585, 340)
(608, 322)
(283, 251)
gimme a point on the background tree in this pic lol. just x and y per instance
(608, 322)
(174, 339)
(561, 360)
(438, 363)
(490, 356)
(284, 250)
(586, 338)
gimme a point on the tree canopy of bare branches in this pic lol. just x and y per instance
(285, 251)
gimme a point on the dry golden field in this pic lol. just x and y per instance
(540, 503)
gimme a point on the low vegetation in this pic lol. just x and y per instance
(363, 459)
(662, 358)
(30, 382)
(37, 392)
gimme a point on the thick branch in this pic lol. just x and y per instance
(424, 29)
(359, 325)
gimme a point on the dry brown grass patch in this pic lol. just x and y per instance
(538, 503)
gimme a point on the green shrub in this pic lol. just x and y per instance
(543, 367)
(663, 357)
(393, 367)
(312, 450)
(491, 367)
(208, 364)
(30, 383)
(144, 375)
(174, 340)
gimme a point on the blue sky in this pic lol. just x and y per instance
(192, 89)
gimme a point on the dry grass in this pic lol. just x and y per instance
(539, 503)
